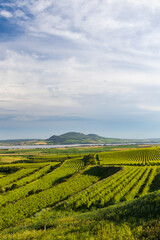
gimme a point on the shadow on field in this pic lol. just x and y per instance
(155, 185)
(102, 172)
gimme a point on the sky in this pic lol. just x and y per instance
(76, 65)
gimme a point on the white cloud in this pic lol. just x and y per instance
(124, 25)
(114, 55)
(81, 14)
(57, 87)
(5, 14)
(111, 24)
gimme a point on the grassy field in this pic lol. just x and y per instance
(80, 193)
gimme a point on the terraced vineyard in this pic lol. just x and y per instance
(74, 184)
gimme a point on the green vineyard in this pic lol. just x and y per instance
(150, 156)
(74, 183)
(129, 183)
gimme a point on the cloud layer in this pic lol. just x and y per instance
(80, 60)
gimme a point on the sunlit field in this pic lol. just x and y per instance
(80, 193)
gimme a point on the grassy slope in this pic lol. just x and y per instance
(136, 219)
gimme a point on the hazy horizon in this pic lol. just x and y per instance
(90, 67)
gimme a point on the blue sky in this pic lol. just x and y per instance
(75, 65)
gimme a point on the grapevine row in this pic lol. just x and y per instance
(47, 181)
(26, 207)
(36, 175)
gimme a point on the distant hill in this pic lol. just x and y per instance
(80, 138)
(16, 142)
(73, 138)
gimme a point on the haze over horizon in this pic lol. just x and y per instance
(90, 67)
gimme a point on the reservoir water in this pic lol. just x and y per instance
(59, 146)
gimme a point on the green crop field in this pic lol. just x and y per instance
(90, 193)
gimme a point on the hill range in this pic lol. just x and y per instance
(76, 138)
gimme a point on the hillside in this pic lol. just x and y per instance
(135, 220)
